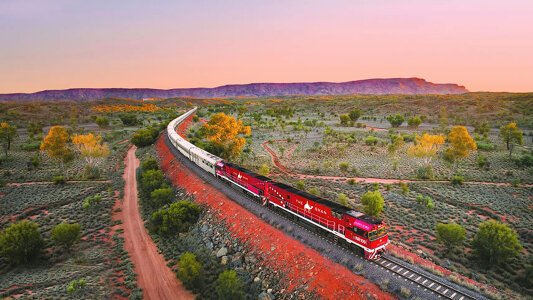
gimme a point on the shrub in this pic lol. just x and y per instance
(59, 179)
(161, 196)
(66, 235)
(102, 121)
(371, 140)
(426, 201)
(342, 199)
(450, 235)
(91, 201)
(190, 270)
(424, 172)
(21, 242)
(405, 188)
(151, 180)
(482, 161)
(373, 203)
(458, 180)
(143, 137)
(300, 184)
(76, 285)
(35, 160)
(229, 286)
(345, 119)
(355, 114)
(395, 120)
(129, 119)
(525, 160)
(351, 181)
(92, 172)
(31, 146)
(343, 167)
(195, 118)
(414, 121)
(485, 145)
(496, 242)
(314, 191)
(264, 170)
(149, 164)
(178, 217)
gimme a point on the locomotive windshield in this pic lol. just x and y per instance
(378, 233)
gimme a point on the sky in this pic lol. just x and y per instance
(485, 45)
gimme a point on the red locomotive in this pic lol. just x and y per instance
(366, 232)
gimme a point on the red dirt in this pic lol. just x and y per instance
(302, 266)
(153, 276)
(276, 161)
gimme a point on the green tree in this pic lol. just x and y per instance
(143, 137)
(161, 196)
(396, 120)
(102, 121)
(7, 134)
(345, 119)
(177, 217)
(511, 135)
(342, 199)
(189, 270)
(21, 242)
(129, 119)
(496, 242)
(450, 235)
(229, 286)
(373, 203)
(264, 170)
(66, 235)
(355, 114)
(414, 122)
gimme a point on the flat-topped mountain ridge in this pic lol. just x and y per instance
(407, 86)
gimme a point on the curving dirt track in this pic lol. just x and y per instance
(277, 162)
(153, 276)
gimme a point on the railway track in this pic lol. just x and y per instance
(406, 272)
(424, 280)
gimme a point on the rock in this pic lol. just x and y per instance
(250, 259)
(257, 279)
(203, 228)
(269, 291)
(265, 296)
(224, 260)
(209, 245)
(222, 251)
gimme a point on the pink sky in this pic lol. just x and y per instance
(56, 44)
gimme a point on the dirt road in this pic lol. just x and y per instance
(153, 276)
(277, 162)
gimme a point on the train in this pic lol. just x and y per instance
(364, 232)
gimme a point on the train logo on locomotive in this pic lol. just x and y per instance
(307, 206)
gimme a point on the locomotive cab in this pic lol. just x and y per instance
(368, 232)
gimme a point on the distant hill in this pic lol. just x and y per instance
(409, 86)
